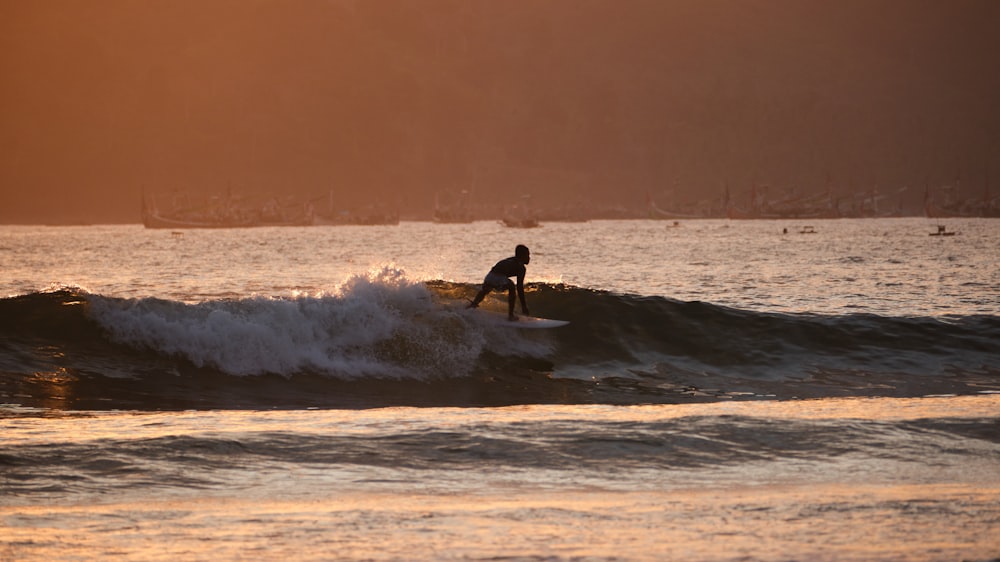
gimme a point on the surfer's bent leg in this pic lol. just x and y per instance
(480, 296)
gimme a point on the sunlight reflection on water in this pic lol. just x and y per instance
(210, 485)
(883, 266)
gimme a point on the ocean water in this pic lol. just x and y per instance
(725, 390)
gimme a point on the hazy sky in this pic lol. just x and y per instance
(589, 100)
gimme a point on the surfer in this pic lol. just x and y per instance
(499, 279)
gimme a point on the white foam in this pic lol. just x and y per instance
(377, 324)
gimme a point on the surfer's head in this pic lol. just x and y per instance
(522, 253)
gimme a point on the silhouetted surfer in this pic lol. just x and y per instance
(499, 279)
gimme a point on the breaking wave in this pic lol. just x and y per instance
(383, 339)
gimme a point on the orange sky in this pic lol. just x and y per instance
(597, 100)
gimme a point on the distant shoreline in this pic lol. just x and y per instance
(72, 223)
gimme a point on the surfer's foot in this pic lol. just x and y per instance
(472, 305)
(512, 318)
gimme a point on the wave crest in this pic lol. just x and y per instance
(381, 326)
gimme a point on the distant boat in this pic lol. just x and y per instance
(791, 206)
(519, 216)
(653, 211)
(942, 231)
(221, 213)
(447, 216)
(372, 215)
(375, 220)
(152, 219)
(934, 211)
(985, 207)
(510, 222)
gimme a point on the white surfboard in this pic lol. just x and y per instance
(522, 322)
(535, 322)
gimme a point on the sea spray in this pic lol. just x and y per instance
(379, 324)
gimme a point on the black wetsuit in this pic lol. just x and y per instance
(499, 279)
(510, 267)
